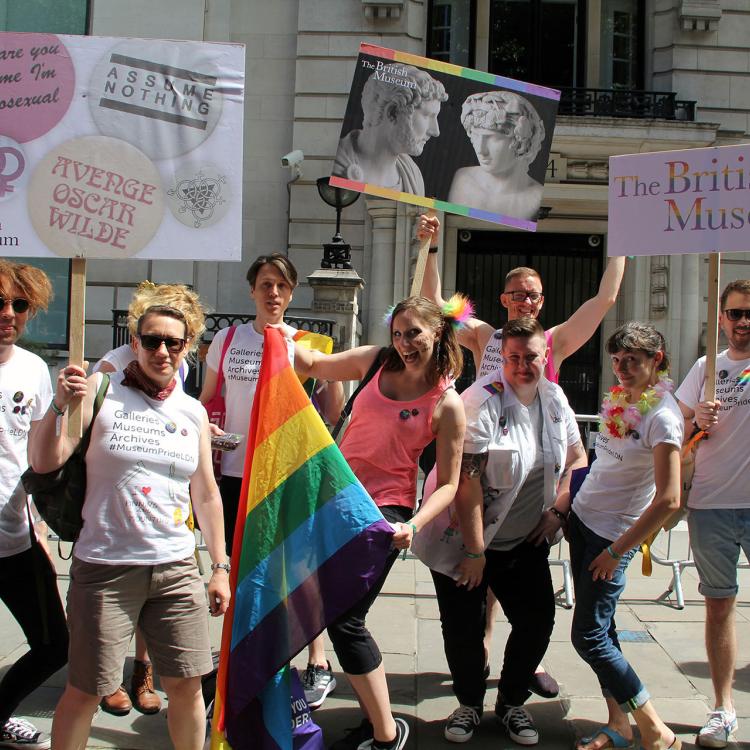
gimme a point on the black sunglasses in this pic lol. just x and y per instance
(152, 343)
(19, 305)
(737, 313)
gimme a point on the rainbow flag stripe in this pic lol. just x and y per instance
(309, 546)
(461, 72)
(494, 387)
(457, 70)
(744, 377)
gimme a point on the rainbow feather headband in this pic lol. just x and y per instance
(458, 310)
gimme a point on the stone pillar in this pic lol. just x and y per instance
(383, 215)
(690, 347)
(335, 297)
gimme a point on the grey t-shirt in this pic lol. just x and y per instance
(527, 508)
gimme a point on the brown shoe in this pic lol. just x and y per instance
(142, 688)
(117, 704)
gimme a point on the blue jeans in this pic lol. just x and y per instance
(593, 632)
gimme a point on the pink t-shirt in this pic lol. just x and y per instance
(384, 440)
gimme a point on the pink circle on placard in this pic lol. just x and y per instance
(37, 79)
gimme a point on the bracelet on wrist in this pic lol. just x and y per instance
(473, 555)
(221, 566)
(56, 409)
(559, 515)
(614, 555)
(432, 250)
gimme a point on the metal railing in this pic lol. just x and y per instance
(643, 105)
(214, 323)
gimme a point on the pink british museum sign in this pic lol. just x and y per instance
(675, 202)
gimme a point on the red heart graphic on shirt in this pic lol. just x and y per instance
(145, 490)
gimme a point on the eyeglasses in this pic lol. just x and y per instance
(19, 305)
(737, 313)
(152, 343)
(523, 296)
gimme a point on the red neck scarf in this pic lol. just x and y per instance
(136, 378)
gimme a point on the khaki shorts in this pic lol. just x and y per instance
(106, 602)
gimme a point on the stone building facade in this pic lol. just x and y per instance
(299, 65)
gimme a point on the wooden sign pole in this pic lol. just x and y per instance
(712, 325)
(75, 343)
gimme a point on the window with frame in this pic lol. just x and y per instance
(450, 31)
(539, 41)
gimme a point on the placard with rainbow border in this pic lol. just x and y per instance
(442, 136)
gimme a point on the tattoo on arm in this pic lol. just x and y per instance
(472, 464)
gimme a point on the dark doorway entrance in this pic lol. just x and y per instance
(570, 266)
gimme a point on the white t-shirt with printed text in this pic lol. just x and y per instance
(241, 370)
(138, 467)
(722, 461)
(620, 485)
(25, 395)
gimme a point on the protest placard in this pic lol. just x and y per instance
(445, 137)
(120, 148)
(674, 202)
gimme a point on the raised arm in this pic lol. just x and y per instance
(476, 333)
(352, 364)
(570, 336)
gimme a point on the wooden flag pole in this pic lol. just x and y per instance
(75, 343)
(712, 325)
(424, 248)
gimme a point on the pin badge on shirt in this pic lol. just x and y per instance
(504, 424)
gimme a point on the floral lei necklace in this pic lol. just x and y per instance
(620, 418)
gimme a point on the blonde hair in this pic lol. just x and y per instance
(176, 296)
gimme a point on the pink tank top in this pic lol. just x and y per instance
(384, 440)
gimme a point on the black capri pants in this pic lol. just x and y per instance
(355, 647)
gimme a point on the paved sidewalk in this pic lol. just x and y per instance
(665, 645)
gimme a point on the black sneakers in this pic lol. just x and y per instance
(462, 723)
(402, 734)
(357, 738)
(517, 721)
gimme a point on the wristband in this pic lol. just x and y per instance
(561, 517)
(473, 555)
(56, 409)
(432, 250)
(614, 555)
(221, 566)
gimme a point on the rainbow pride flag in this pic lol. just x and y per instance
(309, 546)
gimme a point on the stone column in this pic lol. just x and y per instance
(383, 215)
(335, 297)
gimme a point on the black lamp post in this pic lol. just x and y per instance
(336, 253)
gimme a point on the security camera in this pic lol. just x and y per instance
(293, 158)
